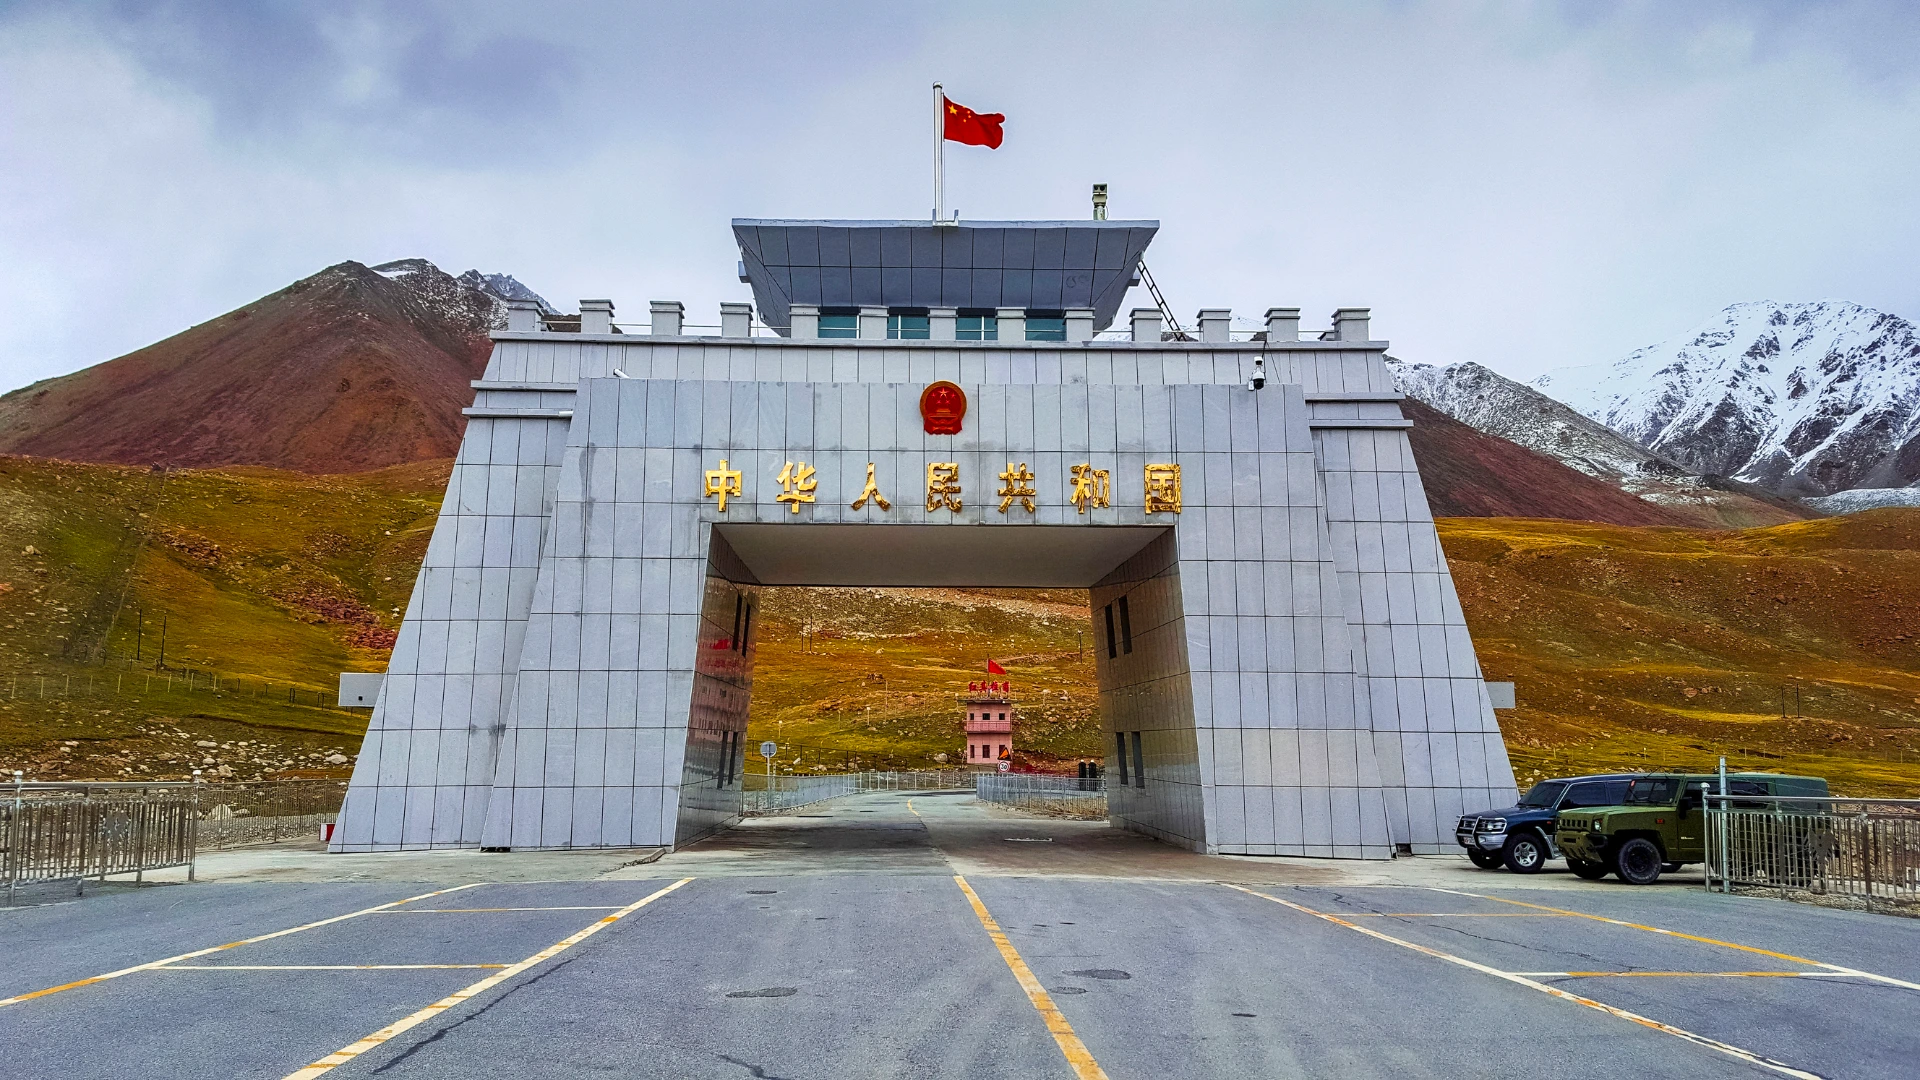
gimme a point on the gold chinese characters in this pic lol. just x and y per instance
(1087, 488)
(1091, 488)
(1163, 489)
(1017, 484)
(796, 485)
(723, 482)
(943, 485)
(871, 491)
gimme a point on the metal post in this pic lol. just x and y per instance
(1726, 839)
(939, 153)
(13, 840)
(193, 827)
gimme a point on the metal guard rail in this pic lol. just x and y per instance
(782, 793)
(1860, 849)
(72, 835)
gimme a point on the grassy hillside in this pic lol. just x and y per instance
(1670, 646)
(876, 674)
(270, 582)
(1631, 646)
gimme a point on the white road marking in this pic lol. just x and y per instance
(348, 1053)
(1834, 968)
(324, 967)
(151, 965)
(1679, 1033)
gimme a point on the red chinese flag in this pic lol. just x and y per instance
(995, 669)
(975, 129)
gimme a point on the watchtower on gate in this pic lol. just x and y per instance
(989, 723)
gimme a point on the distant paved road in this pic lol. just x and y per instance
(854, 941)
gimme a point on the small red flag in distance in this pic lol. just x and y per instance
(995, 669)
(975, 129)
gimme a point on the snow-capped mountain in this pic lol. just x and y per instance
(1802, 399)
(1496, 405)
(473, 299)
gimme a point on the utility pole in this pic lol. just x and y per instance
(162, 661)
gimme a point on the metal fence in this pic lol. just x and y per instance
(1066, 796)
(266, 811)
(53, 832)
(74, 831)
(1857, 850)
(775, 794)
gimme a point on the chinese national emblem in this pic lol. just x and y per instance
(942, 406)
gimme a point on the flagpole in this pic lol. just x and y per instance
(939, 152)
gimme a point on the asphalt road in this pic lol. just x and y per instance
(854, 940)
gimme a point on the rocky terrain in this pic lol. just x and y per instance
(1803, 399)
(1496, 405)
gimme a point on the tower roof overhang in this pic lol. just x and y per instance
(980, 265)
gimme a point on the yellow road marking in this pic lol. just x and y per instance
(473, 909)
(1452, 915)
(1078, 1058)
(354, 1050)
(323, 967)
(1685, 974)
(1553, 991)
(149, 966)
(1789, 957)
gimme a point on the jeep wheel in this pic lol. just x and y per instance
(1591, 871)
(1485, 860)
(1527, 853)
(1638, 861)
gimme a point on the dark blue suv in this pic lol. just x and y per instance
(1521, 836)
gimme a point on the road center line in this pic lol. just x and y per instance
(1684, 974)
(348, 1053)
(1790, 958)
(150, 965)
(477, 909)
(1078, 1057)
(324, 967)
(1454, 915)
(1553, 991)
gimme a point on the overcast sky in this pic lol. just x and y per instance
(1526, 185)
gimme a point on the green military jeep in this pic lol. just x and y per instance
(1662, 824)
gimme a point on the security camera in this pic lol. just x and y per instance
(1259, 378)
(619, 374)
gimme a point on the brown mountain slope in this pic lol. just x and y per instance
(344, 371)
(1789, 648)
(1468, 473)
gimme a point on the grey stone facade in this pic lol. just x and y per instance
(576, 659)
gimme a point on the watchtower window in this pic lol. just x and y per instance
(910, 325)
(839, 323)
(977, 326)
(1046, 326)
